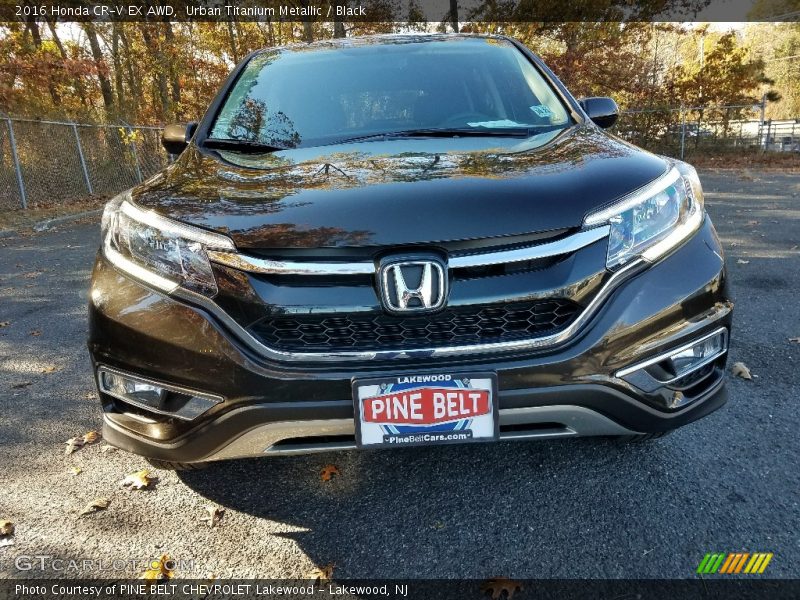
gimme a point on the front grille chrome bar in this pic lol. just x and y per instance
(252, 264)
(567, 245)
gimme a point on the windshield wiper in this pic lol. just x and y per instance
(240, 145)
(520, 132)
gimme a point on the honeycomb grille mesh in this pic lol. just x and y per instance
(460, 326)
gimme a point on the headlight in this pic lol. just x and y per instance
(653, 220)
(159, 251)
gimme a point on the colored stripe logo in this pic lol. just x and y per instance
(734, 563)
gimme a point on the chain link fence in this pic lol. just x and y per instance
(689, 131)
(49, 163)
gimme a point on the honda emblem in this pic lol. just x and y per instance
(413, 285)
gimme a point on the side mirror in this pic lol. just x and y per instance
(602, 110)
(175, 138)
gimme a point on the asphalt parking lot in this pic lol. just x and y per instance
(561, 509)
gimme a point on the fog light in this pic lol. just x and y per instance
(155, 397)
(701, 353)
(129, 389)
(668, 370)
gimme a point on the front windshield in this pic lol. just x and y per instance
(320, 95)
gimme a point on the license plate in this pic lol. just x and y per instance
(426, 409)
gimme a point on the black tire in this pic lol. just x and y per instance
(640, 437)
(166, 465)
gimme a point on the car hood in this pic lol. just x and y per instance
(400, 191)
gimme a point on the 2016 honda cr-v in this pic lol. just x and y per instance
(404, 240)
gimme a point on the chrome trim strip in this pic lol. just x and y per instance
(446, 351)
(251, 264)
(577, 421)
(565, 245)
(665, 355)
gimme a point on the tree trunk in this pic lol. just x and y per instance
(56, 40)
(454, 14)
(80, 90)
(160, 75)
(338, 24)
(308, 24)
(134, 85)
(175, 83)
(271, 33)
(33, 28)
(100, 65)
(232, 40)
(117, 60)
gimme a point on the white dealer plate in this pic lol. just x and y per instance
(428, 408)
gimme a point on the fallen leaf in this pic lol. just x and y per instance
(139, 480)
(32, 274)
(328, 471)
(95, 505)
(214, 515)
(438, 525)
(73, 444)
(740, 369)
(20, 385)
(752, 223)
(75, 470)
(497, 585)
(795, 340)
(4, 324)
(50, 369)
(36, 332)
(6, 527)
(159, 569)
(91, 437)
(106, 448)
(321, 574)
(743, 262)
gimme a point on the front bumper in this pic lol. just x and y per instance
(268, 407)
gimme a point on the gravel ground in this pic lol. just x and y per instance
(571, 509)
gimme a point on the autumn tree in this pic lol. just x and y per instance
(777, 45)
(724, 76)
(158, 71)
